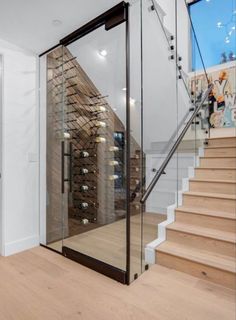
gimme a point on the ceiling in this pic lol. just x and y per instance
(29, 23)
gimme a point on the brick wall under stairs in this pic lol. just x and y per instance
(202, 239)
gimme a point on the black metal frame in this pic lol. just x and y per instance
(96, 265)
(111, 18)
(194, 2)
(128, 195)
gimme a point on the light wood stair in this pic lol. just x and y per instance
(216, 162)
(216, 186)
(220, 152)
(202, 240)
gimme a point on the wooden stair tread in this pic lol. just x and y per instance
(211, 259)
(207, 212)
(218, 157)
(215, 168)
(203, 231)
(218, 138)
(211, 195)
(220, 147)
(213, 180)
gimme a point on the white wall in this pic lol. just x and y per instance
(1, 88)
(20, 167)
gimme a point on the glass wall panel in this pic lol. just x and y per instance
(94, 127)
(193, 141)
(136, 154)
(158, 127)
(54, 138)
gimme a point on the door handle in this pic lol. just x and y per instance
(63, 155)
(62, 166)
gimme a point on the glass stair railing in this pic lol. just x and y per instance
(175, 114)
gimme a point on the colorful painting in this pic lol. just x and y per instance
(222, 99)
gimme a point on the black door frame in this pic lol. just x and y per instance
(113, 17)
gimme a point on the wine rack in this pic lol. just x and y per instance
(81, 116)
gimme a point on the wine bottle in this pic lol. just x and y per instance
(85, 188)
(113, 177)
(84, 171)
(113, 163)
(113, 148)
(101, 109)
(84, 154)
(67, 135)
(100, 139)
(83, 205)
(100, 124)
(83, 157)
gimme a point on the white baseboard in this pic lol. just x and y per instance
(21, 245)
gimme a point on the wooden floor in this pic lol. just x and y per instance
(108, 243)
(41, 285)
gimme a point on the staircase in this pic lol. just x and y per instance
(202, 239)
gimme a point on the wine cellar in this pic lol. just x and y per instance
(86, 148)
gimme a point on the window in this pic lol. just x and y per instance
(214, 24)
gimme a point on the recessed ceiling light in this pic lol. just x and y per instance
(56, 22)
(103, 53)
(124, 89)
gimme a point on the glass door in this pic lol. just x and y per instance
(88, 145)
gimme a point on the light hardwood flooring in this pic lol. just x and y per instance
(41, 285)
(108, 243)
